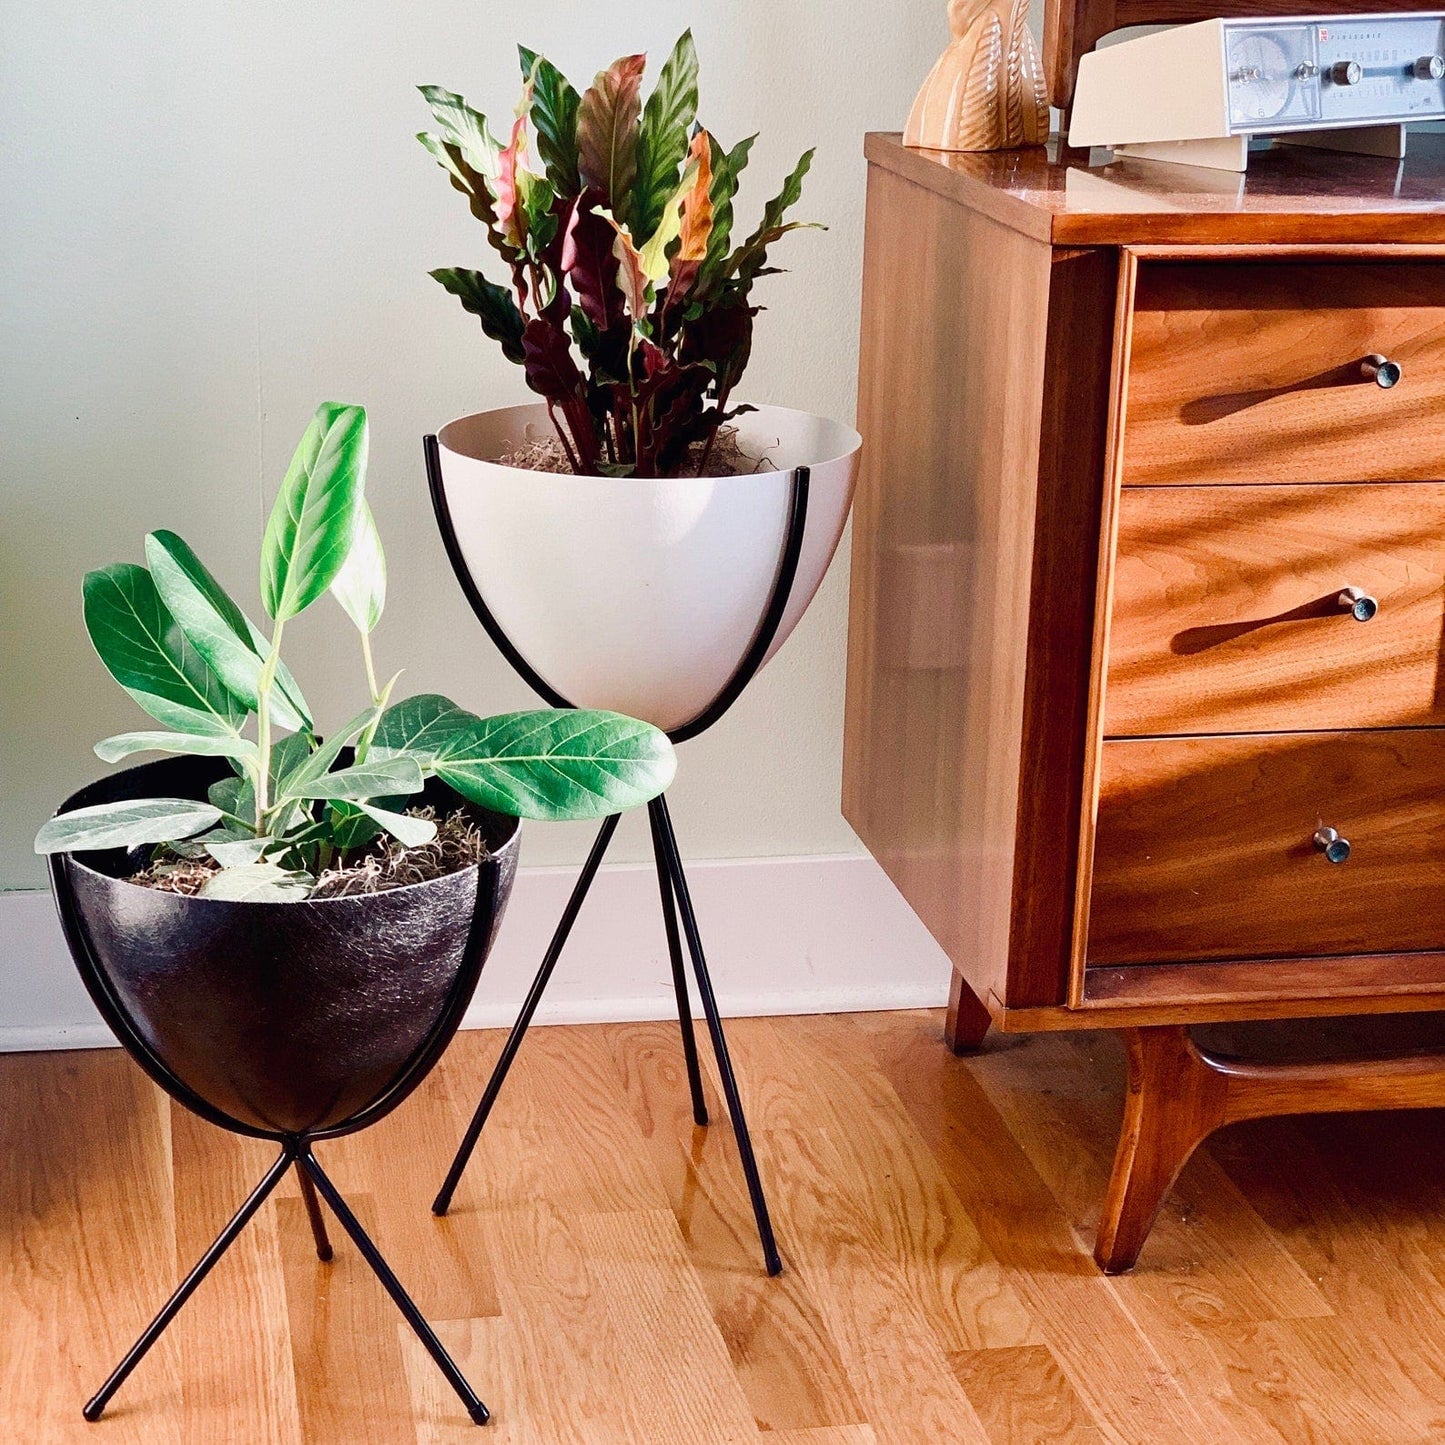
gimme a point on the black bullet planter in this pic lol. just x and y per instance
(285, 1021)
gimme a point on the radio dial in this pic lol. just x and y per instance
(1430, 67)
(1346, 72)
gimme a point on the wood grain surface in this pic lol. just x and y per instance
(1249, 371)
(968, 627)
(1227, 614)
(1204, 847)
(1290, 197)
(935, 1215)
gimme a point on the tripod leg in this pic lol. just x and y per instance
(679, 975)
(719, 1041)
(187, 1287)
(313, 1213)
(443, 1201)
(403, 1301)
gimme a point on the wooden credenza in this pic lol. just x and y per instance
(1124, 459)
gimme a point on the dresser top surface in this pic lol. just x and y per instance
(1288, 195)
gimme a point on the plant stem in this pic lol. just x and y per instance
(363, 743)
(370, 667)
(263, 724)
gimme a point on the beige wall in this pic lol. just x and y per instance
(213, 215)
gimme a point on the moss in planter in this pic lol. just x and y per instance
(384, 864)
(545, 453)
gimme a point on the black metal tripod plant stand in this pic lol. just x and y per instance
(293, 1022)
(672, 879)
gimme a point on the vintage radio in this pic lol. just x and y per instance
(1198, 93)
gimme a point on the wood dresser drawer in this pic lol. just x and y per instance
(1204, 847)
(1227, 613)
(1250, 372)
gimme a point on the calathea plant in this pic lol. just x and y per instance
(186, 652)
(629, 307)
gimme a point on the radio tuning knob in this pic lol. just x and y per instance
(1346, 72)
(1430, 67)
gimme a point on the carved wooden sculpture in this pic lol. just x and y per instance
(986, 92)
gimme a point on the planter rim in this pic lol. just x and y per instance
(76, 860)
(846, 441)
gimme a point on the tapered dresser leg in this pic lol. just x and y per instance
(1175, 1101)
(968, 1018)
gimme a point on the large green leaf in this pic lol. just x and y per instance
(421, 726)
(375, 778)
(554, 116)
(662, 139)
(145, 651)
(233, 647)
(314, 519)
(360, 586)
(408, 831)
(232, 851)
(552, 765)
(122, 745)
(318, 764)
(236, 796)
(491, 304)
(125, 825)
(258, 883)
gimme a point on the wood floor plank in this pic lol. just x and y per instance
(1112, 1364)
(234, 1333)
(787, 1361)
(350, 1380)
(1210, 1258)
(1022, 1396)
(562, 1129)
(87, 1247)
(601, 1281)
(818, 1078)
(400, 1163)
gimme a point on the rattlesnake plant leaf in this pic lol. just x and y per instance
(607, 132)
(491, 304)
(662, 139)
(727, 168)
(314, 519)
(147, 653)
(360, 586)
(554, 114)
(653, 255)
(233, 647)
(748, 260)
(125, 825)
(463, 128)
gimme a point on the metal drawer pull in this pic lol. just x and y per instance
(1381, 371)
(1329, 842)
(1358, 603)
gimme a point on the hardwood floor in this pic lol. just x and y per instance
(599, 1278)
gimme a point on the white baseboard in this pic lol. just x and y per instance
(783, 936)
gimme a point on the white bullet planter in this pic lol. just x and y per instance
(635, 594)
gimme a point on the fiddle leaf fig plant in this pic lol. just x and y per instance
(629, 305)
(294, 805)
